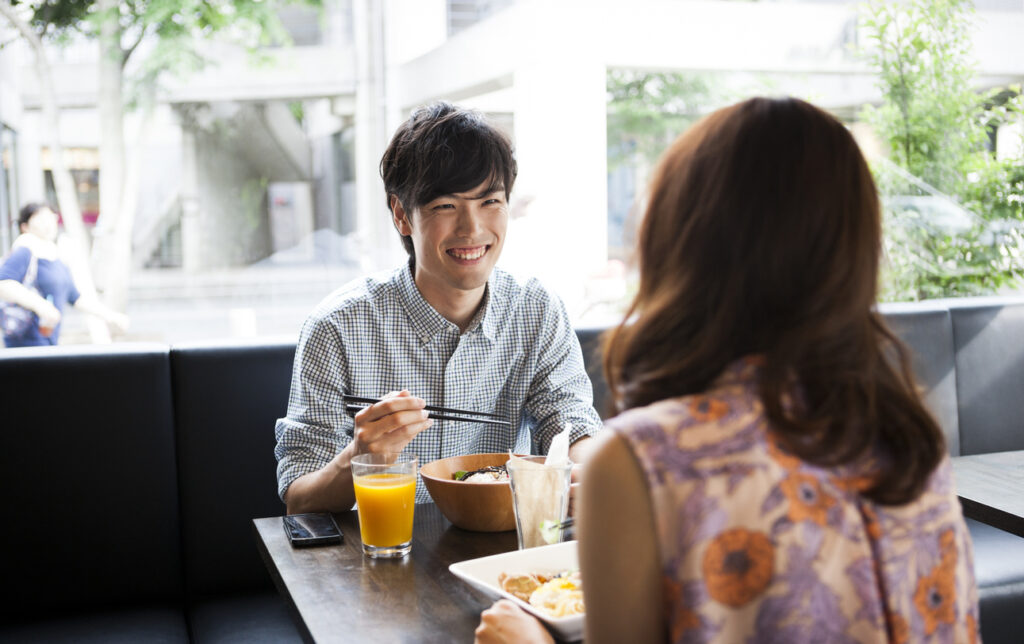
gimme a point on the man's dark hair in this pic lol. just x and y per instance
(441, 150)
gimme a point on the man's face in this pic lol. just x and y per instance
(457, 239)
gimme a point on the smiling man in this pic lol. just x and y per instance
(447, 329)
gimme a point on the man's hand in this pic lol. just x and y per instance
(389, 425)
(506, 622)
(386, 426)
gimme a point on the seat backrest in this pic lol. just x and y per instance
(990, 374)
(927, 330)
(88, 462)
(227, 397)
(590, 343)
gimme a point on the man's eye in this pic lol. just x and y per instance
(491, 202)
(443, 206)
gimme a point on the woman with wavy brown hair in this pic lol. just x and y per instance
(773, 474)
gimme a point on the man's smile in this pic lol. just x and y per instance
(467, 254)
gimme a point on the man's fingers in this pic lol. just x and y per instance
(393, 421)
(389, 406)
(396, 440)
(405, 423)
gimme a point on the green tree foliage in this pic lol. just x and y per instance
(953, 212)
(173, 30)
(648, 110)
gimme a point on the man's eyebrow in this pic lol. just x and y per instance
(490, 190)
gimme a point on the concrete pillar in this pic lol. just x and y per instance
(191, 228)
(380, 244)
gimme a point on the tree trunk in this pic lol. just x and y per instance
(111, 262)
(67, 197)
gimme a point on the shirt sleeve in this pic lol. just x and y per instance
(316, 427)
(16, 266)
(560, 391)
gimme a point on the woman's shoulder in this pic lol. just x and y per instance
(695, 421)
(41, 248)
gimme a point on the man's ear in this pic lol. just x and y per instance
(400, 217)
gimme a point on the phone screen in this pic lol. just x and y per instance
(311, 529)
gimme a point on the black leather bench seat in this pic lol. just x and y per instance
(243, 619)
(155, 625)
(136, 471)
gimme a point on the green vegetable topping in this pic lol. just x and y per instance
(550, 531)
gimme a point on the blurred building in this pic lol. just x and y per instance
(276, 163)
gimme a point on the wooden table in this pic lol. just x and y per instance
(339, 595)
(991, 489)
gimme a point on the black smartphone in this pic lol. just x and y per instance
(314, 529)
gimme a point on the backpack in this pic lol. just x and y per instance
(16, 320)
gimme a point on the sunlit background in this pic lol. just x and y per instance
(223, 156)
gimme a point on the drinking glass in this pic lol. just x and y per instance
(385, 486)
(540, 499)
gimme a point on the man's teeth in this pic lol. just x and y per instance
(460, 253)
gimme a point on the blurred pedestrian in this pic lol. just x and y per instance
(35, 285)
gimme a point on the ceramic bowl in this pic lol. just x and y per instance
(481, 507)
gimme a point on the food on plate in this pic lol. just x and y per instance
(521, 586)
(558, 595)
(489, 474)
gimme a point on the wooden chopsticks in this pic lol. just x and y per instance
(355, 404)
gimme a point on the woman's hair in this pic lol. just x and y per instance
(28, 210)
(444, 150)
(762, 236)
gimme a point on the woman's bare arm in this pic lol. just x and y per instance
(618, 548)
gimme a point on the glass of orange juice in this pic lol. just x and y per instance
(385, 486)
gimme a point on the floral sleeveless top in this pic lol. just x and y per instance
(759, 546)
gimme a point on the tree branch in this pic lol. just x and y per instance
(7, 10)
(128, 52)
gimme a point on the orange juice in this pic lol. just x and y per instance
(386, 502)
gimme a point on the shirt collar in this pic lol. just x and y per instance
(485, 320)
(427, 322)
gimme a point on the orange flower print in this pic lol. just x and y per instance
(947, 548)
(806, 498)
(683, 618)
(854, 484)
(972, 630)
(899, 631)
(935, 598)
(738, 566)
(779, 454)
(705, 409)
(871, 524)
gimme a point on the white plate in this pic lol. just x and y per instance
(483, 573)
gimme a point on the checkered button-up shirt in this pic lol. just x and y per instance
(519, 357)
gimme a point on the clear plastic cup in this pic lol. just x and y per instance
(540, 498)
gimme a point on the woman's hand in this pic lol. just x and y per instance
(506, 622)
(49, 315)
(119, 322)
